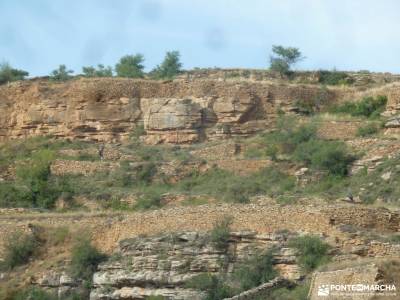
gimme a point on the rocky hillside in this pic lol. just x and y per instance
(181, 111)
(223, 184)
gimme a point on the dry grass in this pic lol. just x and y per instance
(340, 265)
(335, 117)
(63, 215)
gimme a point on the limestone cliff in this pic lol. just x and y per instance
(161, 265)
(180, 111)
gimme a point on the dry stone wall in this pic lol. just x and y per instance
(109, 229)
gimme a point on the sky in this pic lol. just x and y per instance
(39, 35)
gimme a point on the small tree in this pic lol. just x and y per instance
(312, 251)
(330, 156)
(255, 270)
(85, 258)
(214, 286)
(170, 67)
(130, 66)
(284, 58)
(101, 71)
(61, 74)
(35, 175)
(221, 232)
(8, 74)
(19, 248)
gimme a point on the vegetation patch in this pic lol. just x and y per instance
(151, 199)
(9, 74)
(19, 249)
(214, 286)
(312, 252)
(369, 107)
(220, 233)
(315, 104)
(368, 129)
(31, 293)
(382, 183)
(329, 156)
(232, 188)
(255, 271)
(299, 292)
(85, 258)
(334, 78)
(62, 73)
(299, 143)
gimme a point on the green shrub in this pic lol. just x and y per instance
(33, 294)
(254, 152)
(394, 238)
(117, 204)
(34, 174)
(9, 74)
(312, 252)
(220, 233)
(12, 195)
(151, 199)
(59, 235)
(300, 143)
(239, 191)
(279, 65)
(34, 186)
(130, 66)
(233, 188)
(270, 181)
(213, 285)
(330, 156)
(85, 258)
(329, 187)
(19, 248)
(298, 293)
(255, 271)
(101, 71)
(23, 149)
(149, 153)
(334, 77)
(145, 173)
(272, 151)
(169, 68)
(289, 135)
(368, 129)
(305, 107)
(367, 107)
(61, 74)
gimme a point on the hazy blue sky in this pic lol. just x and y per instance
(38, 35)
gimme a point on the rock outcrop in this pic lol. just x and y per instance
(179, 111)
(60, 282)
(161, 265)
